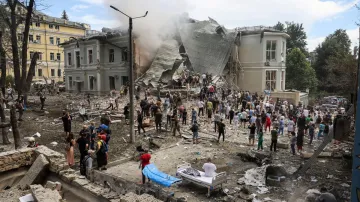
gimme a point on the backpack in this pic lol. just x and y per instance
(103, 149)
(83, 166)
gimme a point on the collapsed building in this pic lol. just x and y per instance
(246, 58)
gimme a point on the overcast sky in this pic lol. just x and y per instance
(320, 17)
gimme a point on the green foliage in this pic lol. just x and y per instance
(299, 73)
(334, 60)
(64, 15)
(9, 81)
(297, 36)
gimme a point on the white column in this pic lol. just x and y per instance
(278, 80)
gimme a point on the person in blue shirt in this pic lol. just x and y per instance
(321, 129)
(281, 126)
(193, 116)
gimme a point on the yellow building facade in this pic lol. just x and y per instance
(46, 33)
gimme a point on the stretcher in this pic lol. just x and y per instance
(211, 183)
(152, 173)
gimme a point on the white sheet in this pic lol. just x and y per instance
(201, 179)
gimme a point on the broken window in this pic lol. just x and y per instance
(69, 59)
(124, 80)
(124, 54)
(58, 56)
(90, 56)
(91, 83)
(270, 50)
(31, 38)
(111, 55)
(39, 72)
(112, 82)
(270, 80)
(38, 39)
(77, 58)
(52, 40)
(70, 82)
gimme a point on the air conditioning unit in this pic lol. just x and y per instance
(267, 63)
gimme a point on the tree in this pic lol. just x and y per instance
(13, 13)
(297, 36)
(280, 27)
(64, 15)
(299, 73)
(334, 50)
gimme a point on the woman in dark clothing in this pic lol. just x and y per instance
(66, 118)
(300, 140)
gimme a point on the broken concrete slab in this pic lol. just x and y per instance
(42, 194)
(37, 168)
(283, 145)
(307, 155)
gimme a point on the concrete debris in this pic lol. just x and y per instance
(39, 166)
(345, 185)
(37, 134)
(313, 191)
(53, 185)
(42, 194)
(26, 198)
(53, 144)
(262, 190)
(131, 197)
(313, 179)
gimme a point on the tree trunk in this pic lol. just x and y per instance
(4, 130)
(2, 85)
(15, 129)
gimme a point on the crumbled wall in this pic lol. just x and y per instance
(16, 158)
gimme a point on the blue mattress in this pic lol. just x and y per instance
(152, 173)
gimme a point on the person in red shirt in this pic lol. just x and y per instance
(267, 123)
(144, 161)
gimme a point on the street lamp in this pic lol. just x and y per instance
(131, 72)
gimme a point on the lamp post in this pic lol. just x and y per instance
(131, 73)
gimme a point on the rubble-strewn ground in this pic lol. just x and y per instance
(327, 172)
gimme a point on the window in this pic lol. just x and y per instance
(270, 80)
(59, 72)
(31, 38)
(31, 54)
(91, 83)
(69, 59)
(124, 80)
(39, 72)
(90, 56)
(58, 56)
(124, 55)
(270, 50)
(40, 56)
(57, 41)
(112, 82)
(111, 55)
(52, 72)
(20, 37)
(37, 24)
(77, 58)
(283, 80)
(52, 57)
(38, 38)
(51, 26)
(70, 82)
(57, 27)
(52, 40)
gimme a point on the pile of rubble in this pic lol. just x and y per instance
(131, 197)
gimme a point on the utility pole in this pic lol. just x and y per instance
(131, 73)
(355, 184)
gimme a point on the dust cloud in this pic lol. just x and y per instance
(154, 28)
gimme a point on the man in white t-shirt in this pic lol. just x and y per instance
(209, 168)
(201, 107)
(306, 112)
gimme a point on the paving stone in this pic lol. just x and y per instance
(39, 166)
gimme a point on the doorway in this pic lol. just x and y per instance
(112, 82)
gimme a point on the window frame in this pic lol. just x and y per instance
(31, 54)
(271, 79)
(52, 57)
(57, 27)
(58, 41)
(88, 56)
(70, 82)
(59, 75)
(271, 51)
(77, 59)
(91, 82)
(40, 71)
(51, 26)
(40, 56)
(52, 72)
(111, 55)
(37, 24)
(31, 38)
(38, 38)
(69, 62)
(58, 56)
(51, 40)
